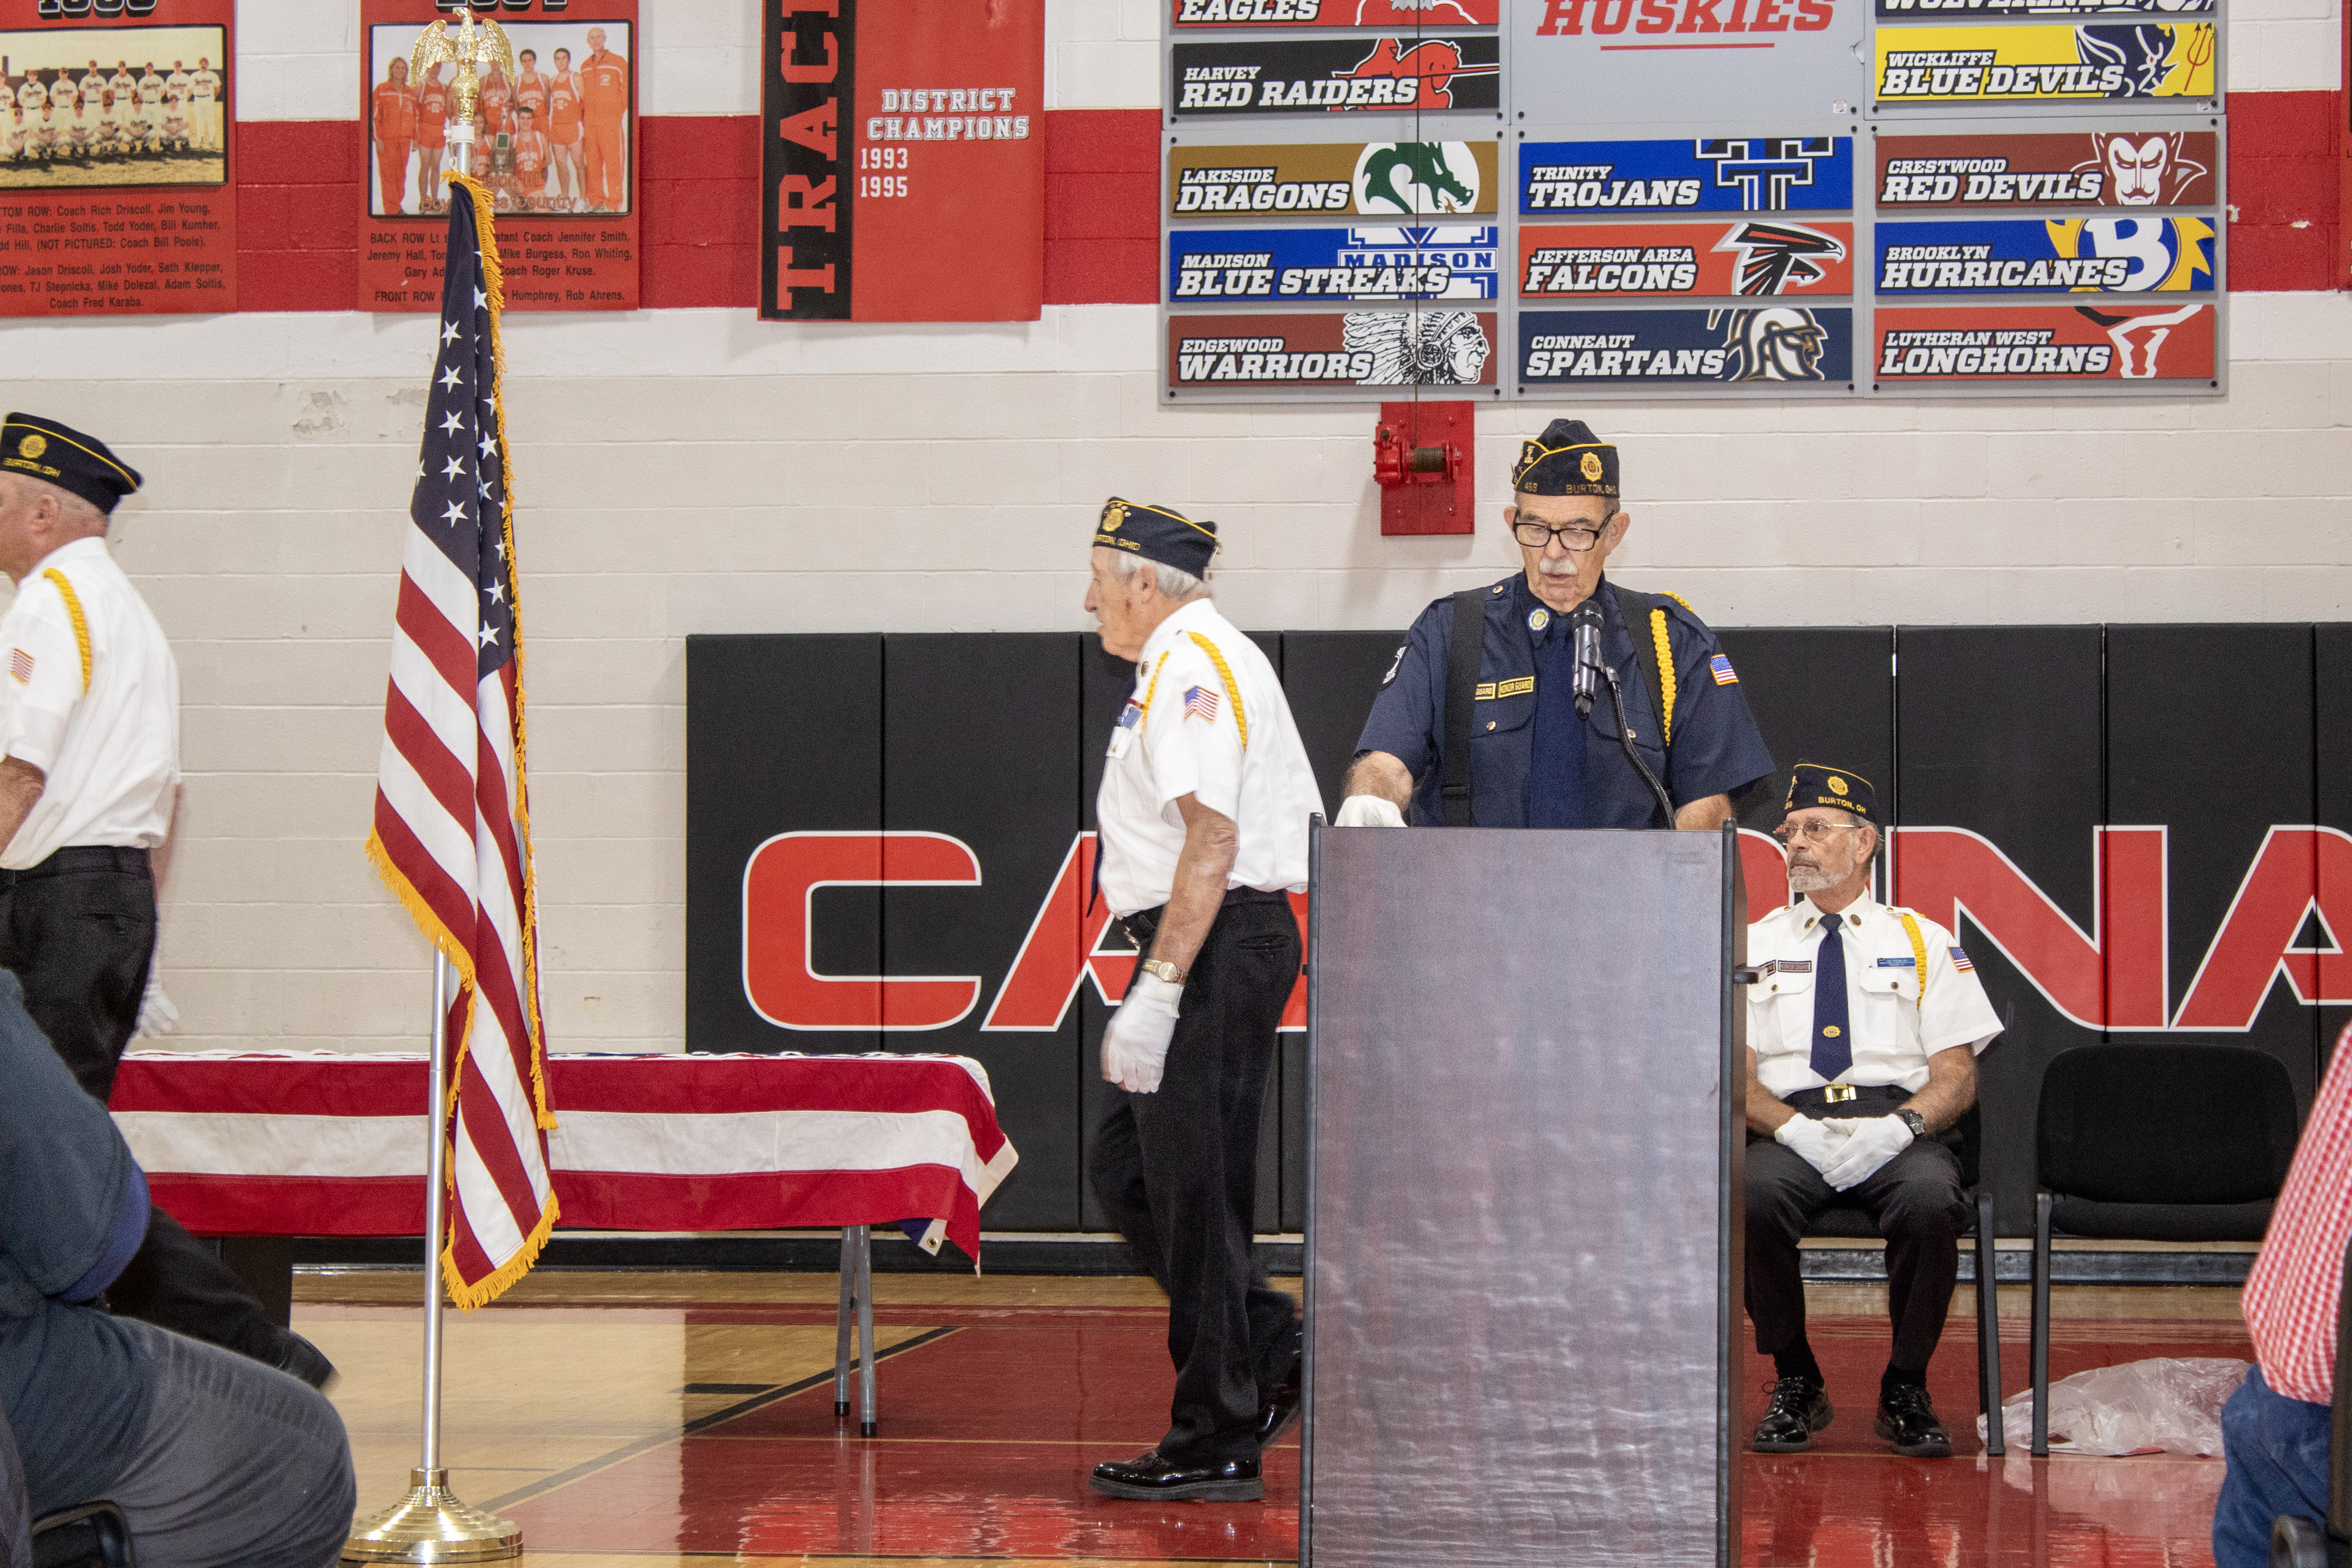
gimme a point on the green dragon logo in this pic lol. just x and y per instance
(1422, 164)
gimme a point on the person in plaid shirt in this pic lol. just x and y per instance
(2274, 1430)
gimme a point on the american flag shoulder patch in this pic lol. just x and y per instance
(1201, 702)
(1961, 961)
(1725, 675)
(20, 666)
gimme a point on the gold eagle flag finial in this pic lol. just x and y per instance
(472, 49)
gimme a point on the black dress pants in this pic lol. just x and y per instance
(1178, 1171)
(79, 933)
(1917, 1202)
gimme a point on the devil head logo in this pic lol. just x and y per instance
(2143, 169)
(1776, 259)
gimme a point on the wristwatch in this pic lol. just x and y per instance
(1162, 969)
(1913, 1120)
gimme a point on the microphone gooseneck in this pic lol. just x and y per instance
(1625, 739)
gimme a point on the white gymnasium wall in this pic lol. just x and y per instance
(698, 471)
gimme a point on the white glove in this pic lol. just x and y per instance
(1816, 1142)
(1875, 1140)
(1368, 811)
(1135, 1046)
(157, 1016)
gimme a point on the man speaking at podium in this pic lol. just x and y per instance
(1855, 1033)
(1576, 708)
(1203, 817)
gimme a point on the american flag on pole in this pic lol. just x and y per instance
(452, 824)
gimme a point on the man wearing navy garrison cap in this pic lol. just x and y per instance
(1862, 1034)
(1518, 754)
(90, 776)
(1201, 821)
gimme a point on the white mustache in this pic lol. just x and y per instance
(1550, 567)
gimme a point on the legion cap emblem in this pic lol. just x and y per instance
(1112, 516)
(33, 445)
(1837, 785)
(1538, 618)
(1590, 466)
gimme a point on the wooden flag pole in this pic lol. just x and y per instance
(430, 1524)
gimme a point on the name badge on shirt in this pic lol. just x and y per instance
(1122, 735)
(1898, 963)
(1793, 966)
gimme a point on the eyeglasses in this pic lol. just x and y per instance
(1811, 832)
(1576, 537)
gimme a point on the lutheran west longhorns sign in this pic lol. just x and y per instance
(2113, 976)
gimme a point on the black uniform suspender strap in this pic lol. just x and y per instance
(1462, 653)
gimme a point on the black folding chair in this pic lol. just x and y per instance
(1847, 1218)
(94, 1535)
(2295, 1541)
(2153, 1143)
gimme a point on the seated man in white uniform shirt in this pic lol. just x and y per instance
(1863, 1033)
(1202, 820)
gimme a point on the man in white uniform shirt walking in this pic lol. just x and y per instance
(90, 774)
(1202, 824)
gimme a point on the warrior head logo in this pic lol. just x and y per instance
(1417, 177)
(1775, 258)
(1779, 344)
(1416, 348)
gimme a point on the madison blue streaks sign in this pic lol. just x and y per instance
(1711, 174)
(2031, 255)
(1370, 262)
(1783, 344)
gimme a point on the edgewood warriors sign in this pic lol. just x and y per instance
(905, 162)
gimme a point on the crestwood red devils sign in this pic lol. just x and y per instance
(2115, 976)
(905, 170)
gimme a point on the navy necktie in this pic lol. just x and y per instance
(1833, 1040)
(1555, 770)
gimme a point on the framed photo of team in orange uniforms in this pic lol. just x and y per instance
(553, 137)
(114, 159)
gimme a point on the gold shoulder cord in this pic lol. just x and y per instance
(1150, 691)
(1225, 673)
(80, 621)
(1918, 952)
(1665, 671)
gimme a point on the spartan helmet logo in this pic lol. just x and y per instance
(1779, 344)
(1775, 258)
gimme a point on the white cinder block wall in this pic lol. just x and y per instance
(698, 471)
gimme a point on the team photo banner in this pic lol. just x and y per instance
(1710, 175)
(2044, 343)
(1433, 262)
(1403, 14)
(114, 159)
(2046, 64)
(1767, 346)
(2029, 256)
(2152, 168)
(554, 141)
(1439, 346)
(1409, 178)
(905, 162)
(1752, 255)
(1391, 75)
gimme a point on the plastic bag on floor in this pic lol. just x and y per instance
(2171, 1403)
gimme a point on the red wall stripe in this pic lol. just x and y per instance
(302, 183)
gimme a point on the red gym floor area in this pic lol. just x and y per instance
(716, 1440)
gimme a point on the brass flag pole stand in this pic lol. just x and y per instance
(430, 1524)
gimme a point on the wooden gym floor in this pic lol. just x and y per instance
(641, 1420)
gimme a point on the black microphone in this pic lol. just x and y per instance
(1588, 657)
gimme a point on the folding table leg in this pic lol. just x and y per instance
(869, 1424)
(842, 1321)
(2041, 1326)
(1989, 1330)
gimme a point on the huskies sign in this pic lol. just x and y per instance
(1396, 74)
(875, 862)
(1713, 174)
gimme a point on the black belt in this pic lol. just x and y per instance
(1834, 1096)
(84, 858)
(1144, 923)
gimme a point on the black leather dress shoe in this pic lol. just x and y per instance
(1800, 1409)
(306, 1361)
(1281, 1406)
(1907, 1418)
(1149, 1478)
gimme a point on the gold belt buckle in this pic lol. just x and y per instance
(1838, 1093)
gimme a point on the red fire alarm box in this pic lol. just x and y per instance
(1421, 454)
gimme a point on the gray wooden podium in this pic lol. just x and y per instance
(1523, 1251)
